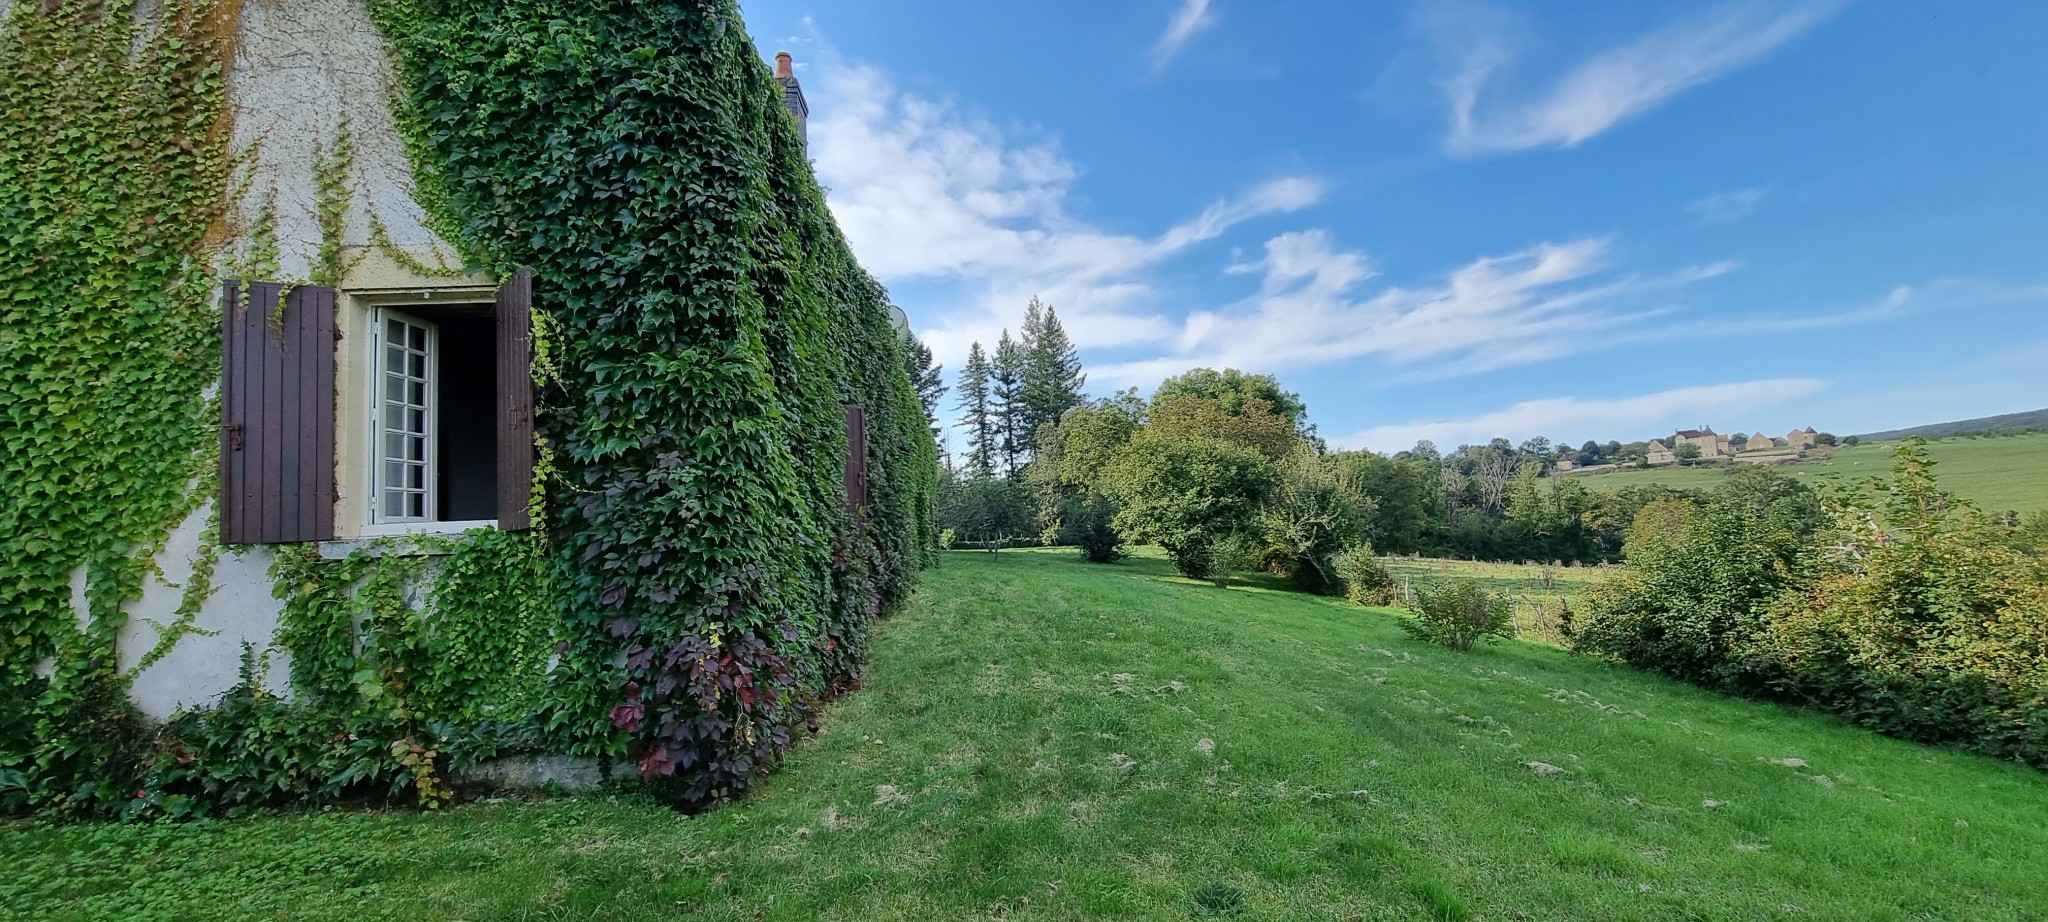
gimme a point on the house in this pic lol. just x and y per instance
(561, 431)
(1711, 444)
(1658, 454)
(1801, 439)
(1565, 464)
(1758, 441)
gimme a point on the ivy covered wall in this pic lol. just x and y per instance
(706, 324)
(696, 587)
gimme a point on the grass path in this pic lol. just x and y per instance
(1048, 739)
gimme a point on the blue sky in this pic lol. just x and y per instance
(1461, 220)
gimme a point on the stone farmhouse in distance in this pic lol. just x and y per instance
(1713, 445)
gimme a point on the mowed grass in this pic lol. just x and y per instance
(1044, 738)
(1998, 473)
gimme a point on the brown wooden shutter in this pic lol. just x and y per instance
(277, 414)
(856, 457)
(515, 400)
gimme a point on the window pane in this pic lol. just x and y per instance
(419, 366)
(394, 360)
(419, 339)
(417, 503)
(394, 388)
(419, 394)
(415, 420)
(394, 446)
(394, 504)
(416, 476)
(394, 331)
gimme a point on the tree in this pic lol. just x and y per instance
(1824, 438)
(1187, 494)
(1006, 398)
(977, 414)
(1851, 441)
(927, 376)
(1393, 498)
(1536, 446)
(1253, 425)
(1231, 389)
(1686, 452)
(1075, 450)
(1052, 378)
(1067, 473)
(1308, 521)
(989, 511)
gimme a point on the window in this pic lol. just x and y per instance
(432, 424)
(432, 432)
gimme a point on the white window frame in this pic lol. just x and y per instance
(380, 370)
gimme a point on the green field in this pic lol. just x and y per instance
(1047, 739)
(2007, 472)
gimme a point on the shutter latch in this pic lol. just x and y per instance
(235, 437)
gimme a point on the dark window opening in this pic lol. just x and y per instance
(467, 479)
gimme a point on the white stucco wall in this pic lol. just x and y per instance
(301, 68)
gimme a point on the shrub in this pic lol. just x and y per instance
(1232, 555)
(1693, 594)
(1085, 523)
(1458, 614)
(1366, 580)
(1912, 614)
(1186, 494)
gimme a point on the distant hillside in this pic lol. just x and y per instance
(2032, 419)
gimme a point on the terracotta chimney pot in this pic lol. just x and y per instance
(783, 65)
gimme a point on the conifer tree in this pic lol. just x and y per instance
(977, 414)
(927, 376)
(1006, 400)
(1052, 369)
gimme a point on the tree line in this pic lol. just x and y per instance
(1212, 458)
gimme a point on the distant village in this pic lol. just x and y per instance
(1698, 446)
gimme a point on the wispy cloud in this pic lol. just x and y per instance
(1642, 416)
(1610, 87)
(1191, 18)
(1313, 308)
(1726, 207)
(927, 192)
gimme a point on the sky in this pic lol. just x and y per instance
(1462, 220)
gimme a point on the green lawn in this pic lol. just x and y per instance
(1048, 739)
(2009, 472)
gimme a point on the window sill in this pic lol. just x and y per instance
(419, 539)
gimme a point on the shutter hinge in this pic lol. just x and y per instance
(235, 437)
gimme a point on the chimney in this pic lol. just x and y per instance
(793, 95)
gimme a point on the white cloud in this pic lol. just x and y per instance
(1188, 20)
(1611, 86)
(927, 192)
(1549, 300)
(1627, 418)
(1726, 207)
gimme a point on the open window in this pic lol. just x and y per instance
(432, 433)
(440, 440)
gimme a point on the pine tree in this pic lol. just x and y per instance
(977, 414)
(1006, 399)
(927, 376)
(1052, 369)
